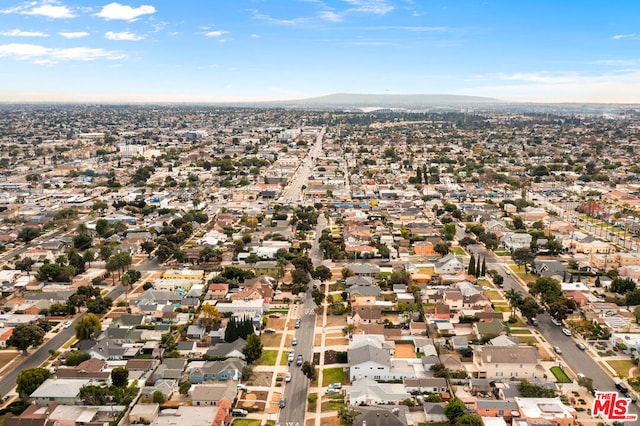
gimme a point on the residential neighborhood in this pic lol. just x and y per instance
(202, 265)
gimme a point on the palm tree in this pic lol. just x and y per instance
(125, 280)
(514, 297)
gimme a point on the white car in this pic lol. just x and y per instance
(287, 378)
(566, 332)
(294, 342)
(291, 356)
(67, 324)
(556, 321)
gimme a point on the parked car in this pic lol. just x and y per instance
(242, 387)
(566, 332)
(283, 403)
(622, 388)
(237, 412)
(557, 350)
(287, 378)
(67, 324)
(556, 321)
(294, 342)
(335, 386)
(299, 361)
(291, 356)
(269, 330)
(332, 391)
(581, 346)
(631, 397)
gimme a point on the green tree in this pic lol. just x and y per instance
(28, 233)
(442, 248)
(347, 415)
(87, 326)
(530, 390)
(158, 397)
(518, 223)
(529, 307)
(184, 388)
(322, 273)
(253, 349)
(548, 288)
(454, 409)
(469, 419)
(120, 377)
(514, 297)
(622, 285)
(636, 314)
(471, 269)
(30, 379)
(75, 358)
(25, 336)
(308, 370)
(523, 256)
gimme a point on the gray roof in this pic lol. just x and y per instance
(224, 349)
(382, 416)
(369, 353)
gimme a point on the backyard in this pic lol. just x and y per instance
(332, 375)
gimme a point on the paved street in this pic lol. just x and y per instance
(291, 193)
(37, 356)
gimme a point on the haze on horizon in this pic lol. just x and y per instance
(251, 50)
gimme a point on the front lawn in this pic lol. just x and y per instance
(312, 400)
(246, 422)
(332, 375)
(520, 331)
(333, 403)
(458, 251)
(622, 367)
(268, 357)
(560, 375)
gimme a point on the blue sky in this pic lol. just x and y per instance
(238, 50)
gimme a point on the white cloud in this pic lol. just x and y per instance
(255, 36)
(123, 36)
(330, 16)
(294, 21)
(19, 33)
(375, 7)
(217, 33)
(117, 11)
(74, 34)
(621, 36)
(46, 55)
(50, 11)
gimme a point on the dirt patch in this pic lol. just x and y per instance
(260, 379)
(271, 340)
(335, 321)
(276, 323)
(544, 353)
(332, 341)
(316, 358)
(330, 421)
(330, 357)
(404, 350)
(317, 341)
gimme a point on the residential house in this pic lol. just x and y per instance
(549, 410)
(435, 385)
(434, 412)
(228, 350)
(485, 331)
(188, 415)
(143, 413)
(549, 268)
(496, 408)
(366, 391)
(368, 361)
(217, 291)
(383, 416)
(60, 391)
(496, 362)
(448, 265)
(512, 241)
(229, 369)
(213, 393)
